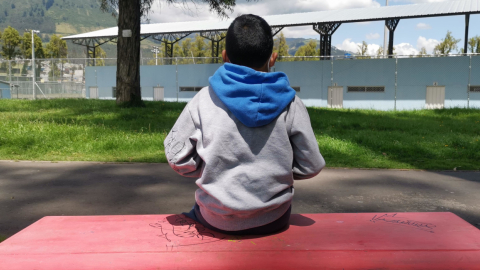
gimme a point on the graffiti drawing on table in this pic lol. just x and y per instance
(179, 231)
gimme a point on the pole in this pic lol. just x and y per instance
(467, 24)
(33, 67)
(385, 38)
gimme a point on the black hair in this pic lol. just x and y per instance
(249, 41)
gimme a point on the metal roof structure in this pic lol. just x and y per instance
(323, 22)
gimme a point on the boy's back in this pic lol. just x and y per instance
(246, 137)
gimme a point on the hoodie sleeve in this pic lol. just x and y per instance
(180, 147)
(307, 160)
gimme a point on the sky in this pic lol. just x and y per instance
(410, 36)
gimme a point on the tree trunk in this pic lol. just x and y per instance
(128, 54)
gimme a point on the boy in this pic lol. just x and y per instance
(246, 138)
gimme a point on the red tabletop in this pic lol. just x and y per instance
(313, 241)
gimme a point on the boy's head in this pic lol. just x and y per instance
(250, 43)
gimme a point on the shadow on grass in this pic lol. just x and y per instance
(437, 139)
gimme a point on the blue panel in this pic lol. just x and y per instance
(5, 94)
(366, 72)
(415, 74)
(314, 78)
(475, 80)
(194, 76)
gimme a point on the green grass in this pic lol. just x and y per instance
(94, 130)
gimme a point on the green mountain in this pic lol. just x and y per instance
(63, 17)
(295, 43)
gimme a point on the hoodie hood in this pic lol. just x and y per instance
(255, 98)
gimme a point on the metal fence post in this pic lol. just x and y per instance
(396, 82)
(332, 73)
(10, 71)
(176, 74)
(469, 82)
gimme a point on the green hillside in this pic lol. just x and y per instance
(295, 43)
(63, 17)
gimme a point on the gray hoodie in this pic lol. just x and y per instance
(245, 174)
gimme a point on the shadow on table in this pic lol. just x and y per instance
(180, 227)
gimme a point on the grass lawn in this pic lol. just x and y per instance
(95, 130)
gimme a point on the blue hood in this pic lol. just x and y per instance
(255, 98)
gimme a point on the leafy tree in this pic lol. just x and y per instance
(448, 44)
(281, 47)
(10, 41)
(474, 44)
(99, 54)
(199, 47)
(187, 47)
(422, 52)
(56, 47)
(26, 46)
(309, 49)
(362, 50)
(128, 48)
(380, 52)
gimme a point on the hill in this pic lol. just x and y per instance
(63, 17)
(295, 43)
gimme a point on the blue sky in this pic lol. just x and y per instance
(410, 36)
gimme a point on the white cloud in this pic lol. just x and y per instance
(429, 44)
(373, 36)
(405, 49)
(300, 32)
(423, 26)
(423, 1)
(349, 45)
(400, 49)
(163, 12)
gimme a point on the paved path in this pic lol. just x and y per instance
(31, 190)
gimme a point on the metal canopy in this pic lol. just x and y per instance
(309, 18)
(323, 22)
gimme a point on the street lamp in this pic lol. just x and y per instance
(155, 50)
(33, 61)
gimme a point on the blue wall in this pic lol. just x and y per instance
(314, 78)
(5, 90)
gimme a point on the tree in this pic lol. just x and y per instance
(448, 44)
(362, 50)
(474, 44)
(309, 49)
(56, 47)
(380, 52)
(281, 47)
(99, 54)
(10, 41)
(26, 46)
(422, 52)
(130, 13)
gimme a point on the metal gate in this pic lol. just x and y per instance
(335, 97)
(158, 93)
(435, 97)
(93, 92)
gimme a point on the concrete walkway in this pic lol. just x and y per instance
(31, 190)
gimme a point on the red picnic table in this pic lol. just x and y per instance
(313, 241)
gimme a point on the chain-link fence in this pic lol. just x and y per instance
(392, 82)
